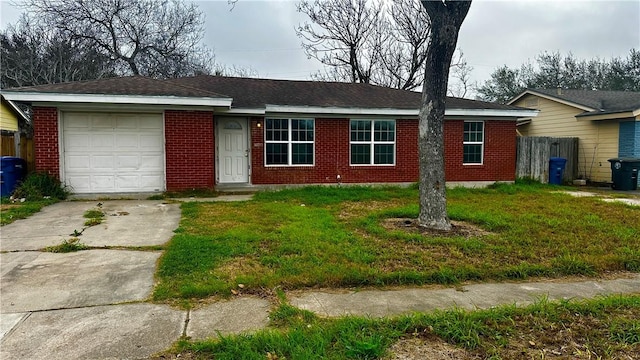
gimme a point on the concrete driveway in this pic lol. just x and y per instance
(43, 294)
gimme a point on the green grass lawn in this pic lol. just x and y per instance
(11, 212)
(602, 328)
(336, 237)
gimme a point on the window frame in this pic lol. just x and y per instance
(372, 142)
(481, 143)
(289, 142)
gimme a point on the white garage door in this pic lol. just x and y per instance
(113, 152)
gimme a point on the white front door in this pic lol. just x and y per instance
(233, 150)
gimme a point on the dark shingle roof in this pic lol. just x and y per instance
(256, 93)
(129, 85)
(600, 101)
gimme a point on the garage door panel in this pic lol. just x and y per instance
(102, 183)
(151, 162)
(128, 182)
(128, 162)
(79, 183)
(78, 162)
(79, 142)
(102, 141)
(113, 152)
(102, 162)
(150, 142)
(101, 122)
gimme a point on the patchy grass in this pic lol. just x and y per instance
(67, 246)
(605, 327)
(94, 217)
(10, 212)
(336, 237)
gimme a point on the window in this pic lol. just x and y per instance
(473, 145)
(373, 142)
(289, 142)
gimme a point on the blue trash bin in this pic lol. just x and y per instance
(556, 170)
(12, 171)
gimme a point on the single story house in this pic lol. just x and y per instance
(607, 124)
(136, 134)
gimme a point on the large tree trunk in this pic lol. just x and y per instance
(446, 19)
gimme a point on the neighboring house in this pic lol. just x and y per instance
(12, 120)
(135, 134)
(606, 123)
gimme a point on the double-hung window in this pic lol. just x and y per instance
(289, 142)
(473, 144)
(373, 142)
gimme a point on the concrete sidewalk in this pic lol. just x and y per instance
(381, 303)
(140, 330)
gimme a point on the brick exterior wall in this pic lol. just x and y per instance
(332, 156)
(45, 139)
(499, 162)
(189, 148)
(190, 152)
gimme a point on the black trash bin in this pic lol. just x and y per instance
(624, 173)
(556, 170)
(12, 171)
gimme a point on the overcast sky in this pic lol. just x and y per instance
(260, 34)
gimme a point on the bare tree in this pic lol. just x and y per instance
(31, 54)
(459, 76)
(367, 41)
(157, 38)
(347, 38)
(446, 19)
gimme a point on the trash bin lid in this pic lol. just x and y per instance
(624, 160)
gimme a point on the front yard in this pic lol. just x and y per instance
(354, 237)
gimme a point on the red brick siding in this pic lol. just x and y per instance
(189, 147)
(45, 139)
(332, 156)
(499, 162)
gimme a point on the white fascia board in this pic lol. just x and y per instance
(492, 113)
(18, 110)
(115, 99)
(397, 112)
(552, 98)
(242, 111)
(319, 110)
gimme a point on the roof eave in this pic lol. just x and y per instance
(40, 97)
(625, 114)
(550, 97)
(510, 113)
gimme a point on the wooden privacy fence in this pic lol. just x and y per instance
(8, 145)
(533, 153)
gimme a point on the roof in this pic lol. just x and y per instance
(257, 93)
(594, 102)
(253, 95)
(128, 85)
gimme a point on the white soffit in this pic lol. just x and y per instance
(115, 99)
(397, 112)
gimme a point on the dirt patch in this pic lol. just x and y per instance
(432, 348)
(4, 207)
(458, 228)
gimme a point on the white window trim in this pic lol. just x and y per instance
(481, 143)
(289, 143)
(372, 142)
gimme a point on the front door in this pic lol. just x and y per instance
(233, 151)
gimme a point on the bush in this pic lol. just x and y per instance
(37, 186)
